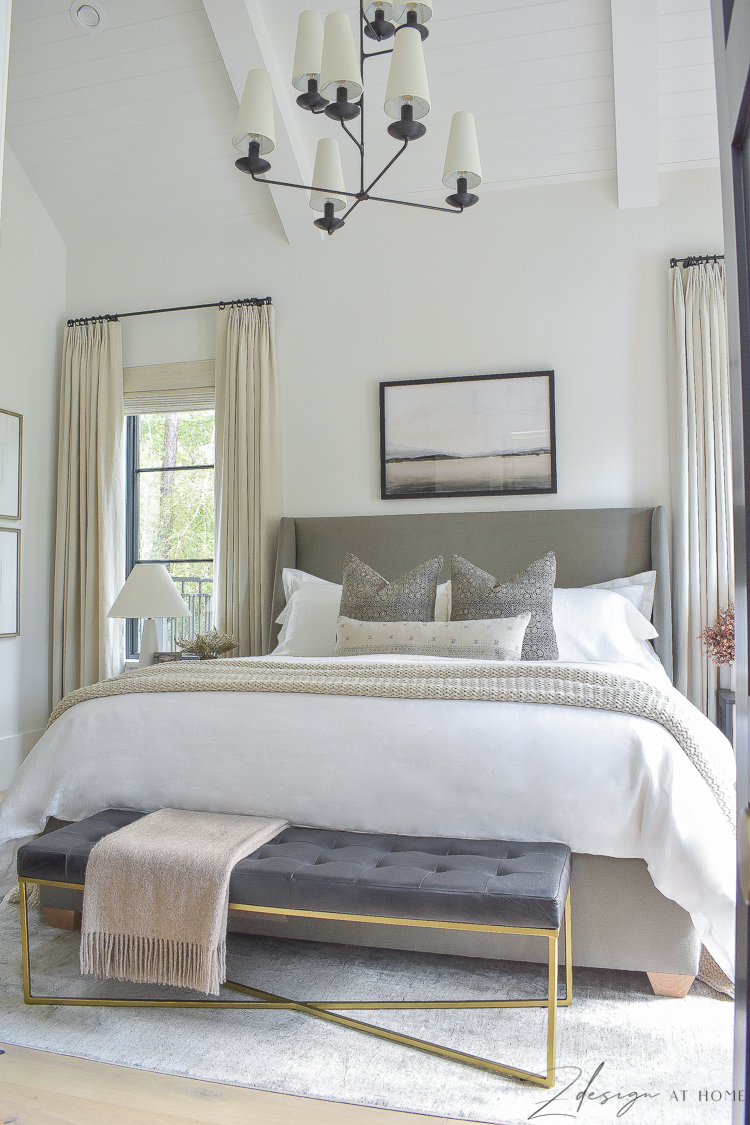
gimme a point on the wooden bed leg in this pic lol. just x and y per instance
(62, 919)
(670, 984)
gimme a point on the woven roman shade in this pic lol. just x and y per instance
(163, 388)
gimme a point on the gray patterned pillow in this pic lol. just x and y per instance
(475, 594)
(368, 597)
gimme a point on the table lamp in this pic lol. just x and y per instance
(149, 592)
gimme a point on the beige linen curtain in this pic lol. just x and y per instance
(90, 539)
(248, 474)
(702, 473)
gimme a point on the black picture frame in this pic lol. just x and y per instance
(397, 421)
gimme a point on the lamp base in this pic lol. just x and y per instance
(253, 165)
(342, 109)
(149, 643)
(462, 199)
(407, 130)
(328, 220)
(379, 28)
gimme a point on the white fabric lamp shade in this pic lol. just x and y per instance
(340, 64)
(255, 117)
(462, 155)
(423, 8)
(149, 592)
(328, 174)
(308, 53)
(383, 6)
(407, 78)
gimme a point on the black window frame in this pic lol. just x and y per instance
(132, 510)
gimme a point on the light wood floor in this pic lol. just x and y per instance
(39, 1088)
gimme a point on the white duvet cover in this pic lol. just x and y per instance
(604, 783)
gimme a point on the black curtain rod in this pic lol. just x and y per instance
(696, 260)
(177, 308)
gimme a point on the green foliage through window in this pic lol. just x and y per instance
(176, 508)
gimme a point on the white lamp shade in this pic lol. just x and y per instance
(462, 156)
(309, 50)
(328, 174)
(383, 6)
(407, 78)
(423, 8)
(255, 118)
(149, 592)
(340, 65)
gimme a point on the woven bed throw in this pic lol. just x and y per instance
(156, 896)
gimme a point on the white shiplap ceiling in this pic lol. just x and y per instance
(132, 125)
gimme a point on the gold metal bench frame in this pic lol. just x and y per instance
(328, 1010)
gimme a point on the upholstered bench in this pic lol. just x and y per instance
(491, 885)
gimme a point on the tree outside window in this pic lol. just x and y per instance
(171, 509)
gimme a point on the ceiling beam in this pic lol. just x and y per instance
(242, 38)
(635, 57)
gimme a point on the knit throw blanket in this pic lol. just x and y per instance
(156, 896)
(524, 682)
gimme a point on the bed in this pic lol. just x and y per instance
(653, 872)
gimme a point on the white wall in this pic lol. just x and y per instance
(530, 279)
(32, 305)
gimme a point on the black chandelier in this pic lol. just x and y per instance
(331, 78)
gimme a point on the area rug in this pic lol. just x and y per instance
(622, 1052)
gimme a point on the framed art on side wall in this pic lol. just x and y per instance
(10, 589)
(469, 435)
(11, 440)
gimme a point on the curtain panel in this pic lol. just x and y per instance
(703, 560)
(247, 475)
(90, 535)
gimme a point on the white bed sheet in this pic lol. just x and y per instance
(601, 782)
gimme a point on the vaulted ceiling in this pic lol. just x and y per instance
(132, 125)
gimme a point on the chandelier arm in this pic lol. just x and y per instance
(348, 212)
(406, 203)
(380, 175)
(305, 187)
(350, 134)
(374, 54)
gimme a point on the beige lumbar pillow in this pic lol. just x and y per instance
(500, 638)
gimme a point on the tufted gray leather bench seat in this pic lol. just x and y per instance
(497, 885)
(490, 882)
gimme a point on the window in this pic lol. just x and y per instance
(170, 511)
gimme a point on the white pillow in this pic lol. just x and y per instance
(309, 621)
(496, 638)
(293, 579)
(600, 625)
(638, 589)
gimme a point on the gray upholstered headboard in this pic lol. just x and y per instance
(590, 544)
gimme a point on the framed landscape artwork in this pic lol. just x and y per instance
(11, 433)
(10, 594)
(474, 435)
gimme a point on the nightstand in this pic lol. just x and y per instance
(725, 719)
